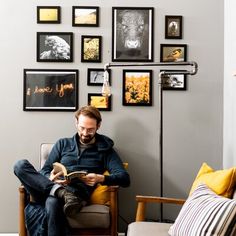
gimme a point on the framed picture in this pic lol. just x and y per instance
(95, 76)
(54, 47)
(85, 16)
(173, 52)
(137, 87)
(173, 27)
(175, 81)
(102, 103)
(48, 14)
(91, 48)
(132, 34)
(50, 90)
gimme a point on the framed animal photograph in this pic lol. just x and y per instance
(54, 46)
(95, 76)
(50, 90)
(85, 16)
(91, 48)
(174, 81)
(48, 14)
(137, 87)
(102, 103)
(132, 34)
(173, 27)
(173, 52)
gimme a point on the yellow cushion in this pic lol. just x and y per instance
(222, 182)
(101, 195)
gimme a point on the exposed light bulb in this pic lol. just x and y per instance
(106, 89)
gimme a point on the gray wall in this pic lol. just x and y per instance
(192, 118)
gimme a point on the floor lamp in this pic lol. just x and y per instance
(106, 92)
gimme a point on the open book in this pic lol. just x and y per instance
(58, 167)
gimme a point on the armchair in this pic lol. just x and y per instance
(98, 218)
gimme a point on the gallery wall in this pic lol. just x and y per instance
(193, 124)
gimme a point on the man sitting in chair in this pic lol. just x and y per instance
(57, 197)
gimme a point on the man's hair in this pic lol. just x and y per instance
(91, 112)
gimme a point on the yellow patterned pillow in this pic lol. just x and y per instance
(222, 182)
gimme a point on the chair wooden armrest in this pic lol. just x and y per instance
(143, 200)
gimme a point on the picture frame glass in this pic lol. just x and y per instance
(91, 48)
(137, 87)
(50, 90)
(173, 53)
(54, 46)
(85, 16)
(132, 34)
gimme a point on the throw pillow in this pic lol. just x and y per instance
(221, 182)
(205, 213)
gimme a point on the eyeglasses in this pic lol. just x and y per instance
(88, 131)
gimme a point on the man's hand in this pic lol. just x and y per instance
(91, 179)
(56, 177)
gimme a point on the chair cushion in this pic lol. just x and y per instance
(205, 213)
(91, 216)
(148, 228)
(222, 182)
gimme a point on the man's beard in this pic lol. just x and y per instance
(85, 139)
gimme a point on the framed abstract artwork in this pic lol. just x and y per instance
(54, 46)
(102, 103)
(50, 90)
(137, 87)
(95, 76)
(91, 48)
(85, 16)
(48, 14)
(132, 34)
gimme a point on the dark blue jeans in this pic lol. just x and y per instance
(45, 216)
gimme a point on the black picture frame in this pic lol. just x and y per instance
(85, 16)
(102, 103)
(137, 88)
(91, 48)
(135, 45)
(50, 90)
(173, 27)
(54, 47)
(48, 14)
(173, 52)
(175, 81)
(95, 76)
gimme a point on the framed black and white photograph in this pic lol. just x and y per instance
(54, 46)
(102, 103)
(132, 34)
(85, 16)
(173, 27)
(91, 48)
(50, 90)
(95, 76)
(137, 87)
(175, 81)
(173, 52)
(48, 14)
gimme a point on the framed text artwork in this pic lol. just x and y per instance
(173, 52)
(137, 87)
(102, 103)
(91, 48)
(54, 46)
(48, 14)
(85, 16)
(50, 90)
(132, 34)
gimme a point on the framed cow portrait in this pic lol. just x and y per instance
(132, 34)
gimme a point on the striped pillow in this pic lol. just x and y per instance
(205, 213)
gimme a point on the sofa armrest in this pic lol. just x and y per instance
(143, 200)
